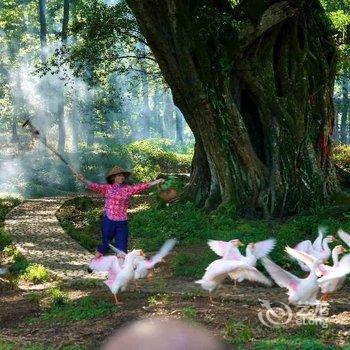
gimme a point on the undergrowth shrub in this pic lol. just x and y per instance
(57, 296)
(5, 239)
(36, 273)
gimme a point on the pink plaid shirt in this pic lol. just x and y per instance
(117, 197)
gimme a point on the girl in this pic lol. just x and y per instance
(117, 194)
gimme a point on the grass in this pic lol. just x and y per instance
(158, 300)
(5, 239)
(292, 343)
(4, 345)
(309, 336)
(34, 297)
(189, 312)
(58, 297)
(150, 227)
(237, 332)
(22, 270)
(89, 234)
(76, 310)
(6, 204)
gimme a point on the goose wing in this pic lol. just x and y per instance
(225, 249)
(307, 259)
(162, 253)
(282, 277)
(339, 271)
(317, 245)
(219, 269)
(263, 248)
(304, 246)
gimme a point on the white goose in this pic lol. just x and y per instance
(319, 249)
(219, 269)
(333, 284)
(104, 263)
(344, 236)
(254, 251)
(227, 250)
(339, 272)
(143, 266)
(300, 290)
(118, 276)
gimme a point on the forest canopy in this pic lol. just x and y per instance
(92, 74)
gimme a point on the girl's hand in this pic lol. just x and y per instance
(156, 182)
(80, 177)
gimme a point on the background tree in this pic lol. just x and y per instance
(339, 14)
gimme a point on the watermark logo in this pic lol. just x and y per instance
(279, 313)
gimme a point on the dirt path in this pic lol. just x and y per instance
(36, 232)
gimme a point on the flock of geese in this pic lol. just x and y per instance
(124, 268)
(312, 258)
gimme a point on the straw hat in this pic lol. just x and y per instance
(118, 170)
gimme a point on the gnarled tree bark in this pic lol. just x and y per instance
(254, 82)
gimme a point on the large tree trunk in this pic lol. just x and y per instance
(255, 83)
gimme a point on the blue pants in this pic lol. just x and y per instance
(114, 230)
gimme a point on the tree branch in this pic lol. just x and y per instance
(138, 57)
(275, 14)
(132, 35)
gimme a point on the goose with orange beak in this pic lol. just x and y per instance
(120, 277)
(227, 250)
(319, 249)
(119, 274)
(254, 251)
(332, 285)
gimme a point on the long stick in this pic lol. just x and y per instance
(57, 154)
(36, 134)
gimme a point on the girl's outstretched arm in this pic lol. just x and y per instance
(102, 189)
(134, 189)
(92, 186)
